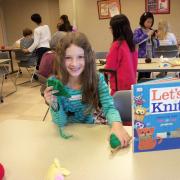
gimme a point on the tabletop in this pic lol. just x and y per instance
(29, 147)
(157, 65)
(9, 48)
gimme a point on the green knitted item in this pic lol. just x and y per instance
(63, 134)
(114, 141)
(57, 85)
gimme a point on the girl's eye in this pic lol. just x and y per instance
(67, 57)
(81, 57)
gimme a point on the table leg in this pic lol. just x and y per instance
(11, 62)
(10, 56)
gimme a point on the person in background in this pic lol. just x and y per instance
(64, 24)
(47, 61)
(27, 39)
(25, 42)
(164, 35)
(166, 38)
(42, 36)
(122, 56)
(145, 39)
(76, 68)
(46, 65)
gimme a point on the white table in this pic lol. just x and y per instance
(155, 66)
(27, 148)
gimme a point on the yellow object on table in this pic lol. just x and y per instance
(55, 171)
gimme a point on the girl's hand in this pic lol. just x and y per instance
(118, 129)
(49, 97)
(150, 33)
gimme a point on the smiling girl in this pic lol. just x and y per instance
(76, 69)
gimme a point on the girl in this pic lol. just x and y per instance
(122, 56)
(145, 39)
(76, 68)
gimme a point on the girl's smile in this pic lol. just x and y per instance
(74, 61)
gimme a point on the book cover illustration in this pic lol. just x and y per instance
(156, 116)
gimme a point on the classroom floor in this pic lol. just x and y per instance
(25, 104)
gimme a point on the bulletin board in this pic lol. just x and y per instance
(158, 6)
(108, 8)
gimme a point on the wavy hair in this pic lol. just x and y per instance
(89, 78)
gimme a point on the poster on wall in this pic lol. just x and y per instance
(158, 6)
(108, 8)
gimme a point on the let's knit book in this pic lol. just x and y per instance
(156, 115)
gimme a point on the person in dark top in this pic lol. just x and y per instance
(64, 24)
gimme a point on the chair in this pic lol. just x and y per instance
(4, 55)
(27, 61)
(4, 72)
(168, 51)
(101, 55)
(106, 73)
(142, 80)
(122, 102)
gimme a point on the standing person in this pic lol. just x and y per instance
(76, 68)
(164, 35)
(145, 40)
(42, 36)
(122, 56)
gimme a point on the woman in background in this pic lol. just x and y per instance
(144, 38)
(166, 38)
(164, 35)
(122, 56)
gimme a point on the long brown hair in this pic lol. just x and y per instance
(89, 78)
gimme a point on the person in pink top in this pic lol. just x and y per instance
(122, 56)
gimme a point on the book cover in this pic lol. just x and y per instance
(156, 115)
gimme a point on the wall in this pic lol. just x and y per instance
(97, 30)
(17, 15)
(2, 32)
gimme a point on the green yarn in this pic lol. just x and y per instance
(114, 141)
(63, 134)
(58, 85)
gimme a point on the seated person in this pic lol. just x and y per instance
(164, 35)
(166, 38)
(46, 65)
(25, 59)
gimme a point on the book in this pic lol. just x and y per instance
(156, 115)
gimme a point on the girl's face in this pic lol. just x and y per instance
(74, 61)
(148, 23)
(61, 21)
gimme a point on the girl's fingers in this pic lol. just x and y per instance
(48, 89)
